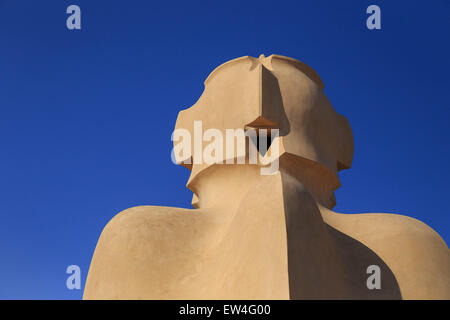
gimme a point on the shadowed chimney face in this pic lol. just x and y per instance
(274, 92)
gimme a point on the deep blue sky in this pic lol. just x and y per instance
(86, 116)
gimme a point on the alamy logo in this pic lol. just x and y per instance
(74, 280)
(74, 20)
(374, 281)
(257, 146)
(374, 20)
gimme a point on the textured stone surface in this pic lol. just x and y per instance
(267, 237)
